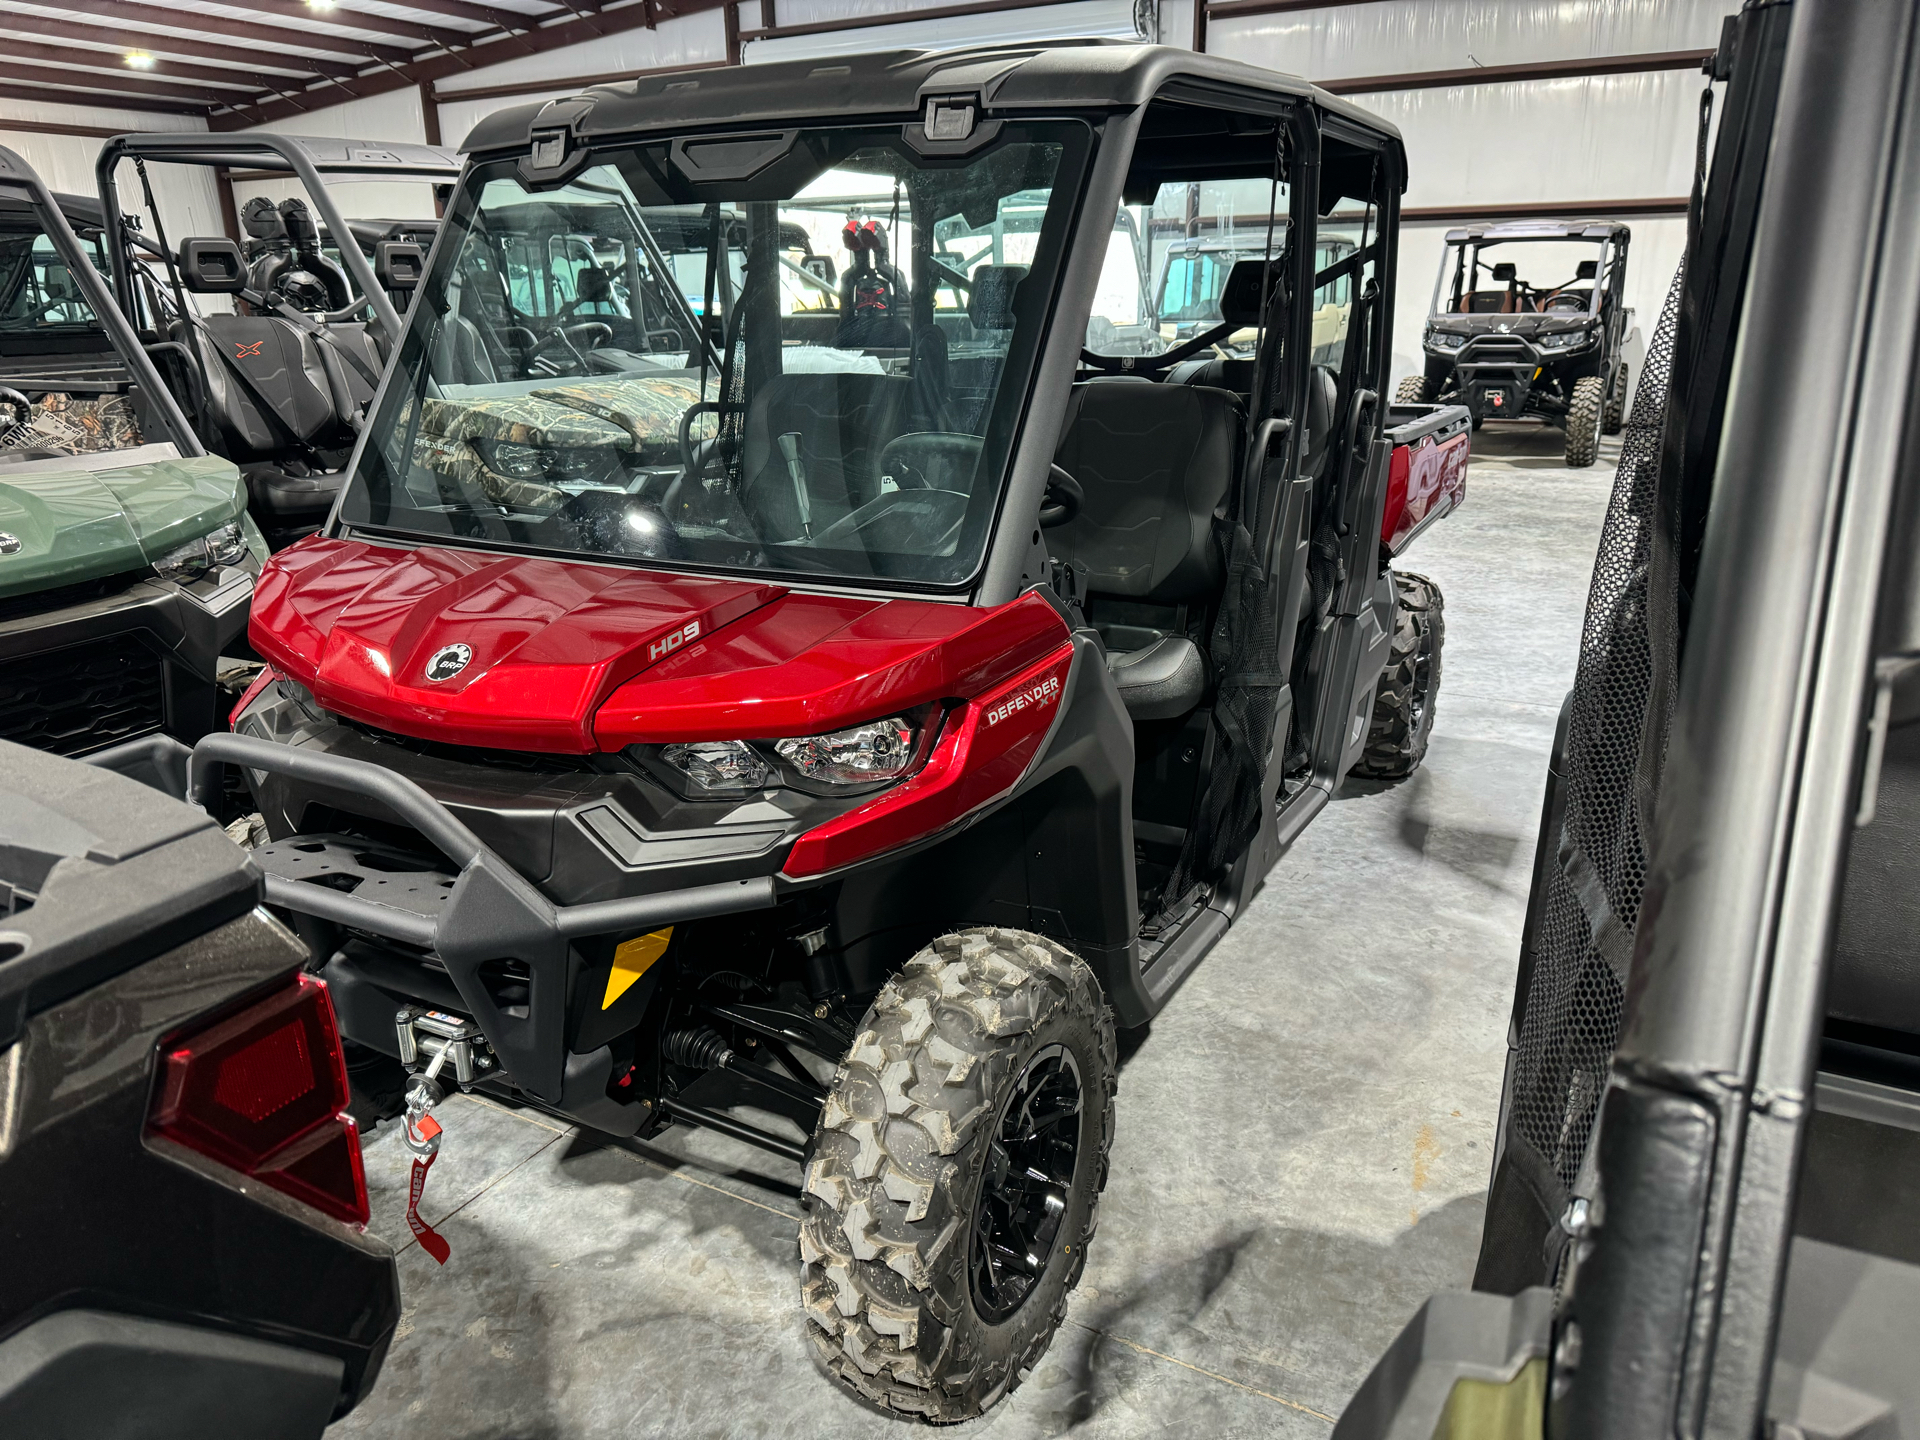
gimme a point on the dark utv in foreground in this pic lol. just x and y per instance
(1703, 1214)
(181, 1198)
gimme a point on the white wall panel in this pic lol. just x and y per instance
(1393, 37)
(691, 40)
(1602, 137)
(188, 203)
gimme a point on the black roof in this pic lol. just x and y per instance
(1493, 230)
(1083, 75)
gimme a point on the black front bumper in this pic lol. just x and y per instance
(103, 664)
(448, 920)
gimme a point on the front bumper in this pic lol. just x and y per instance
(119, 662)
(478, 909)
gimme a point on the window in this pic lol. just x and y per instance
(824, 383)
(1168, 261)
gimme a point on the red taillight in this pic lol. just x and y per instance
(264, 1090)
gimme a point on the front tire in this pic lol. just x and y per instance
(956, 1093)
(1403, 718)
(1584, 420)
(1414, 390)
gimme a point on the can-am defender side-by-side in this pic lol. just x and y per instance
(273, 340)
(127, 559)
(829, 734)
(1529, 319)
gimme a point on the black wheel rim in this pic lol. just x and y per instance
(1026, 1185)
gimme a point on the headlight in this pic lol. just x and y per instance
(723, 767)
(877, 751)
(1444, 340)
(1563, 339)
(225, 546)
(557, 465)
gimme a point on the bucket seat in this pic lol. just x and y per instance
(1154, 464)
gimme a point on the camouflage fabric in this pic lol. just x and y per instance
(637, 415)
(76, 425)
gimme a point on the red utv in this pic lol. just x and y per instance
(829, 732)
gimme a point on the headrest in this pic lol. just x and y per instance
(859, 235)
(1503, 271)
(593, 284)
(1241, 296)
(300, 226)
(262, 219)
(990, 301)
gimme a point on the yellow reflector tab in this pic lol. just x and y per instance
(631, 960)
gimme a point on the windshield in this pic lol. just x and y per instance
(54, 354)
(821, 376)
(1519, 277)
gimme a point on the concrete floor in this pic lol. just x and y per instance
(1304, 1135)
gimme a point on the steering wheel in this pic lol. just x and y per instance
(693, 452)
(930, 460)
(588, 334)
(1061, 501)
(1565, 302)
(23, 407)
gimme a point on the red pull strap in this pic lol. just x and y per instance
(431, 1241)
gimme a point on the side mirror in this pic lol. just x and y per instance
(1585, 270)
(399, 264)
(213, 266)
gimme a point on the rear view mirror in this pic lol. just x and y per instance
(399, 264)
(213, 266)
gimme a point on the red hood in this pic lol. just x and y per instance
(572, 657)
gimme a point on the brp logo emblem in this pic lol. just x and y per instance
(449, 661)
(9, 543)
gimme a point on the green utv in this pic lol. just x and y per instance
(127, 559)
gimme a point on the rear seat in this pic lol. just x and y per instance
(287, 407)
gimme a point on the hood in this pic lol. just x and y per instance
(521, 652)
(76, 524)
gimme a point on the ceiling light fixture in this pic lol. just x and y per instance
(140, 60)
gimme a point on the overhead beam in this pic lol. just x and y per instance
(118, 15)
(348, 18)
(102, 88)
(570, 83)
(1203, 10)
(18, 23)
(895, 17)
(42, 96)
(608, 20)
(1544, 210)
(61, 127)
(115, 64)
(479, 14)
(1532, 210)
(1501, 74)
